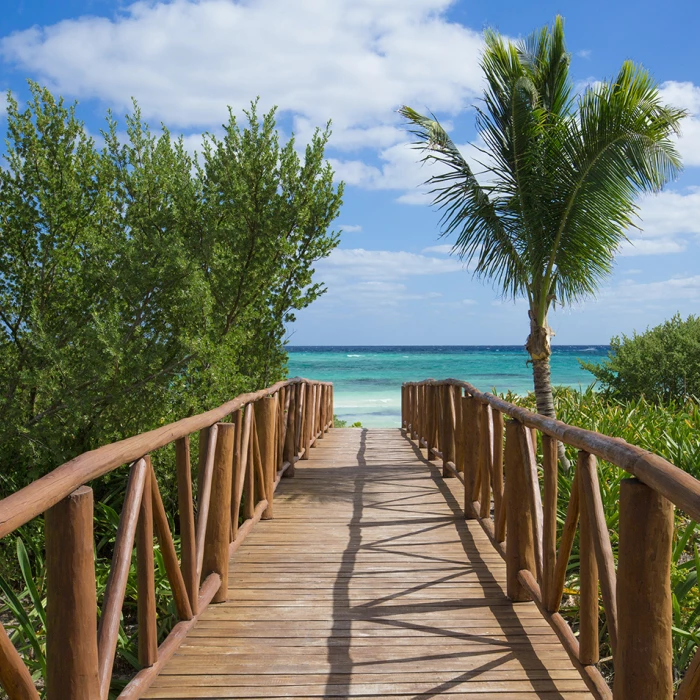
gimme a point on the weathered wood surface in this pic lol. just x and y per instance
(369, 582)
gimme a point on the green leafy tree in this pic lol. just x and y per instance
(139, 284)
(661, 365)
(561, 173)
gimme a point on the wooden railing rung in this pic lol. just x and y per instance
(208, 448)
(216, 542)
(14, 674)
(145, 574)
(108, 630)
(689, 688)
(527, 449)
(167, 548)
(237, 474)
(566, 542)
(187, 526)
(485, 460)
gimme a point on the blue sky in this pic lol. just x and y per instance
(355, 62)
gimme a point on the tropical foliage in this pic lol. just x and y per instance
(559, 175)
(661, 364)
(139, 284)
(671, 431)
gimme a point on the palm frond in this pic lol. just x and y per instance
(562, 174)
(619, 146)
(468, 210)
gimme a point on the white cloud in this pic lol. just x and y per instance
(665, 222)
(442, 249)
(401, 168)
(354, 61)
(369, 280)
(350, 228)
(384, 264)
(633, 294)
(685, 95)
(584, 53)
(670, 212)
(653, 246)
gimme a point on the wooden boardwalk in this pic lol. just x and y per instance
(368, 583)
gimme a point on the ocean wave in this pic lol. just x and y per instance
(354, 355)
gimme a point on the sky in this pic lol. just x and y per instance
(391, 281)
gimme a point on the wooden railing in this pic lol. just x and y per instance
(268, 432)
(491, 446)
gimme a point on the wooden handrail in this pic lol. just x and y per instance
(234, 460)
(19, 508)
(525, 516)
(656, 472)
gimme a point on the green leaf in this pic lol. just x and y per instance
(26, 569)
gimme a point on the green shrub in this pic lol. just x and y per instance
(138, 284)
(662, 364)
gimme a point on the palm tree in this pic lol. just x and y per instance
(561, 174)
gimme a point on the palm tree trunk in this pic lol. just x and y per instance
(540, 350)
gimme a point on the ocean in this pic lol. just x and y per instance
(368, 379)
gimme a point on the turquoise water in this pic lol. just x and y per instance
(368, 379)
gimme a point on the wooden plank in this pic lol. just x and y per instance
(386, 591)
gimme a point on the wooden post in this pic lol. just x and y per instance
(448, 430)
(470, 436)
(299, 419)
(186, 512)
(644, 660)
(589, 652)
(433, 418)
(459, 431)
(216, 540)
(71, 615)
(314, 415)
(498, 499)
(281, 424)
(145, 574)
(289, 454)
(324, 410)
(249, 483)
(265, 411)
(415, 414)
(485, 447)
(549, 510)
(307, 421)
(331, 406)
(203, 447)
(236, 481)
(520, 548)
(404, 408)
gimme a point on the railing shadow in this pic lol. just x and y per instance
(511, 627)
(339, 644)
